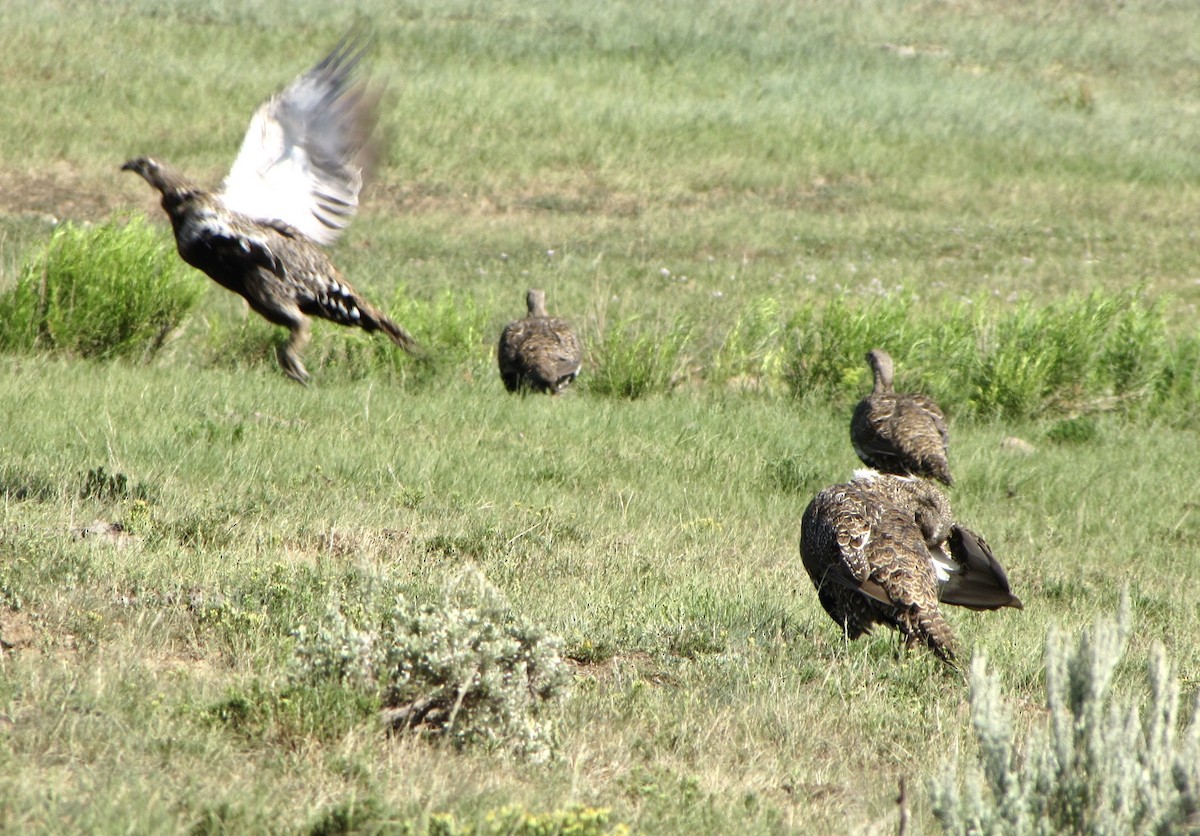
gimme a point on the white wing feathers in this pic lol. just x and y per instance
(301, 160)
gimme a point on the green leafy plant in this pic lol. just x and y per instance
(109, 290)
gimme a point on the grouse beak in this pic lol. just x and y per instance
(140, 165)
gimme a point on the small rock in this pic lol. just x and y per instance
(104, 532)
(1017, 445)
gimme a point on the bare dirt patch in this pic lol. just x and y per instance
(105, 533)
(622, 667)
(347, 544)
(59, 192)
(16, 631)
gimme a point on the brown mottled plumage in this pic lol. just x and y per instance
(293, 186)
(884, 549)
(538, 352)
(899, 433)
(969, 575)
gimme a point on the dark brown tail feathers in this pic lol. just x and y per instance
(400, 337)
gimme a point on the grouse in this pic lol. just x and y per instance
(885, 549)
(899, 433)
(292, 189)
(538, 352)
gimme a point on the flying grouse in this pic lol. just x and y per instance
(292, 190)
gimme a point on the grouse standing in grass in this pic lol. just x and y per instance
(900, 433)
(885, 549)
(293, 188)
(538, 352)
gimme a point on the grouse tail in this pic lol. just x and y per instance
(931, 629)
(400, 337)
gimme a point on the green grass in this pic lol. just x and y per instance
(662, 529)
(733, 201)
(1073, 356)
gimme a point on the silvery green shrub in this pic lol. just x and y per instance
(476, 675)
(1100, 763)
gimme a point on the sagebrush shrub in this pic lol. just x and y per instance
(473, 674)
(1100, 764)
(104, 290)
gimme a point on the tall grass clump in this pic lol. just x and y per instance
(1101, 763)
(829, 342)
(1179, 389)
(110, 290)
(1082, 355)
(473, 674)
(1092, 354)
(753, 351)
(451, 328)
(633, 359)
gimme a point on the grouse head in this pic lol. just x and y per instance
(173, 185)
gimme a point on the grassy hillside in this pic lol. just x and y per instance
(733, 201)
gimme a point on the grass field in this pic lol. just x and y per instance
(733, 200)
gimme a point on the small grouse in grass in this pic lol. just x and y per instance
(538, 352)
(900, 433)
(885, 549)
(292, 190)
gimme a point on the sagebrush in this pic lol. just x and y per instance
(473, 674)
(1102, 763)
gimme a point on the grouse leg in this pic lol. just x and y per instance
(289, 353)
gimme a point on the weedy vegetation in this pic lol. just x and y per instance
(110, 290)
(400, 600)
